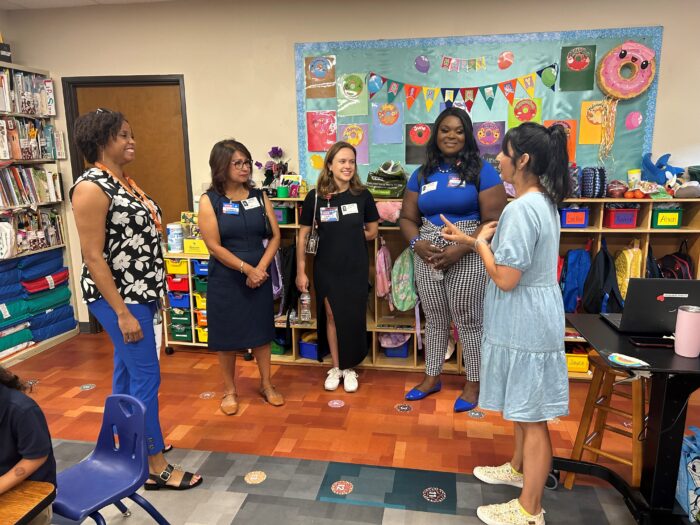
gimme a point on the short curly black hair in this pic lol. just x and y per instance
(92, 131)
(10, 380)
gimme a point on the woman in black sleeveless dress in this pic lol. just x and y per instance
(346, 218)
(239, 293)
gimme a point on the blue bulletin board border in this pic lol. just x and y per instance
(303, 49)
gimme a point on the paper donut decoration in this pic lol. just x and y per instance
(578, 59)
(505, 60)
(319, 67)
(489, 134)
(388, 114)
(594, 114)
(352, 86)
(525, 110)
(419, 134)
(632, 57)
(633, 120)
(353, 134)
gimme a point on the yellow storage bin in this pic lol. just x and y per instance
(200, 301)
(176, 266)
(577, 362)
(202, 334)
(196, 247)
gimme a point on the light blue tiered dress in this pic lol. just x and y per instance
(523, 366)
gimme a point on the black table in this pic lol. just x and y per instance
(673, 380)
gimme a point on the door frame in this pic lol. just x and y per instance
(70, 101)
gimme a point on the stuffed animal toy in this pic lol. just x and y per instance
(661, 173)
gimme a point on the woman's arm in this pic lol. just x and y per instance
(90, 207)
(371, 230)
(491, 203)
(302, 280)
(24, 467)
(410, 222)
(274, 242)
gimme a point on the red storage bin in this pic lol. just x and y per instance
(620, 218)
(178, 283)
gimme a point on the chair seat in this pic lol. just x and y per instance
(92, 485)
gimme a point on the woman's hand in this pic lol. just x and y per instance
(256, 276)
(451, 233)
(448, 256)
(302, 282)
(426, 250)
(130, 327)
(486, 231)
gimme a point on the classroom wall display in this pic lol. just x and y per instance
(384, 95)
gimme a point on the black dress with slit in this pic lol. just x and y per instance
(341, 270)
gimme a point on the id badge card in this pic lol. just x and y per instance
(329, 214)
(348, 209)
(430, 186)
(231, 208)
(455, 182)
(251, 203)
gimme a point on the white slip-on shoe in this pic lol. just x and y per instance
(350, 383)
(333, 379)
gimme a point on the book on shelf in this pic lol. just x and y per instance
(4, 144)
(37, 230)
(59, 145)
(5, 91)
(28, 185)
(13, 138)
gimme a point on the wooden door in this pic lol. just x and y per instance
(156, 116)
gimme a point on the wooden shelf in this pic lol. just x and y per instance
(37, 348)
(14, 162)
(25, 115)
(32, 252)
(289, 226)
(30, 206)
(581, 376)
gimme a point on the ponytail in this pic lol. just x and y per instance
(556, 178)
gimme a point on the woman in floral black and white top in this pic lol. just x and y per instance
(123, 272)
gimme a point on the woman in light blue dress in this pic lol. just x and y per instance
(523, 366)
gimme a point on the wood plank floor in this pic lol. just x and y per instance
(367, 430)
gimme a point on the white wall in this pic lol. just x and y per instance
(238, 60)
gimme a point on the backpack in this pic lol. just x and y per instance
(592, 183)
(290, 293)
(677, 265)
(389, 181)
(600, 291)
(628, 264)
(383, 274)
(652, 270)
(577, 264)
(403, 284)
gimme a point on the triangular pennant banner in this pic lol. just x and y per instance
(548, 75)
(469, 96)
(375, 83)
(489, 94)
(508, 88)
(393, 88)
(449, 95)
(430, 94)
(528, 83)
(411, 93)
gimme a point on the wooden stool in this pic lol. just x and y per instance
(599, 397)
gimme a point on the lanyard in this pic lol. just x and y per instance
(134, 190)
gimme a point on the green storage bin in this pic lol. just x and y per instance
(667, 219)
(276, 348)
(180, 316)
(181, 333)
(200, 284)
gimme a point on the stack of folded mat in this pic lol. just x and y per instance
(34, 300)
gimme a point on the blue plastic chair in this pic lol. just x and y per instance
(115, 470)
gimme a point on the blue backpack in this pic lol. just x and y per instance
(577, 264)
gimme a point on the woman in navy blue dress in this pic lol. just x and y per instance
(239, 293)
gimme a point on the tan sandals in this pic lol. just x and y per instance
(272, 396)
(229, 404)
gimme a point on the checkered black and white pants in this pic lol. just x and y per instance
(458, 297)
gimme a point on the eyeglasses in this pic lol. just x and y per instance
(240, 164)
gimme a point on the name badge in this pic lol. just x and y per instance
(455, 182)
(428, 187)
(329, 214)
(347, 209)
(231, 208)
(251, 203)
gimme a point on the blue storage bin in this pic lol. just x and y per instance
(574, 217)
(201, 267)
(179, 300)
(309, 350)
(399, 351)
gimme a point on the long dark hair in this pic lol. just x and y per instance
(468, 161)
(220, 163)
(92, 131)
(549, 158)
(10, 380)
(325, 185)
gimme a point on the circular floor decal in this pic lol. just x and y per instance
(255, 477)
(336, 403)
(434, 495)
(87, 386)
(342, 487)
(402, 407)
(207, 395)
(476, 414)
(32, 382)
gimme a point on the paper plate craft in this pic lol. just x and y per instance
(525, 110)
(633, 120)
(626, 360)
(625, 72)
(578, 59)
(388, 114)
(352, 86)
(489, 133)
(353, 134)
(422, 63)
(419, 134)
(505, 59)
(319, 67)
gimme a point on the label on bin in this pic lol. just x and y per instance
(667, 219)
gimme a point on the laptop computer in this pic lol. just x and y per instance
(651, 305)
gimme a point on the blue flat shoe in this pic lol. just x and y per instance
(464, 406)
(414, 394)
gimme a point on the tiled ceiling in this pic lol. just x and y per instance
(54, 4)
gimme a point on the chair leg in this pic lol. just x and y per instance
(602, 416)
(637, 429)
(98, 518)
(122, 508)
(145, 505)
(585, 424)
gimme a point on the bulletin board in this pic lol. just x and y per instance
(383, 95)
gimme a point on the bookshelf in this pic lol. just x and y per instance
(32, 205)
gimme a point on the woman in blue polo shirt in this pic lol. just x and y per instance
(451, 279)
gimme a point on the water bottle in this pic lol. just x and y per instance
(305, 311)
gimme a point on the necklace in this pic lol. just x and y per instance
(449, 169)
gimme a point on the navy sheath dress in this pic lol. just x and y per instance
(239, 317)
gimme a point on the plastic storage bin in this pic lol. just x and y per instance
(179, 300)
(309, 350)
(574, 217)
(181, 333)
(283, 214)
(180, 316)
(399, 351)
(176, 266)
(201, 317)
(177, 283)
(620, 218)
(201, 267)
(666, 219)
(200, 284)
(200, 301)
(276, 348)
(577, 362)
(202, 335)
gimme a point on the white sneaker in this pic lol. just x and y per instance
(350, 380)
(503, 475)
(510, 513)
(333, 379)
